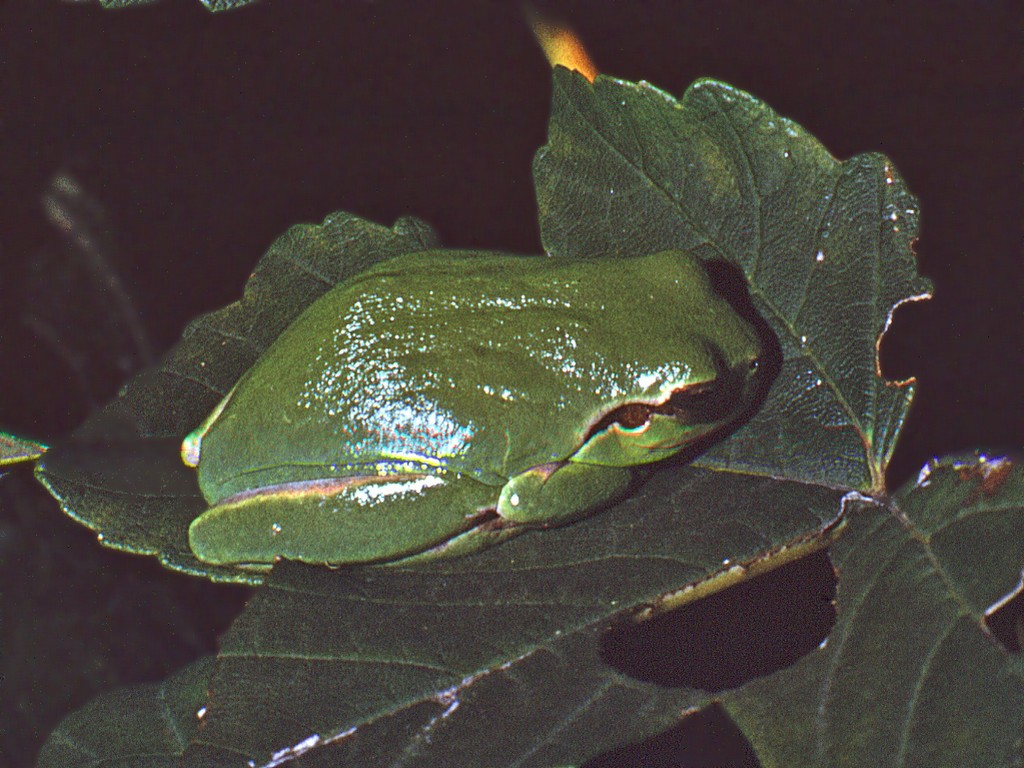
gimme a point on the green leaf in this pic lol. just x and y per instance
(77, 620)
(909, 675)
(825, 245)
(121, 472)
(422, 662)
(413, 666)
(145, 726)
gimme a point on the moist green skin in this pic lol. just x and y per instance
(444, 400)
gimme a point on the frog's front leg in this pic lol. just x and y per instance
(553, 494)
(547, 495)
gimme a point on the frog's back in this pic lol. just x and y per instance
(439, 362)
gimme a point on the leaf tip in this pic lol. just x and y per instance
(560, 44)
(18, 450)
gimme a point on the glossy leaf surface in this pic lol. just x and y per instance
(907, 677)
(143, 725)
(910, 675)
(414, 666)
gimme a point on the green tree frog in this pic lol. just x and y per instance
(443, 401)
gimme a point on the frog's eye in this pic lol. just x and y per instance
(702, 403)
(630, 416)
(630, 434)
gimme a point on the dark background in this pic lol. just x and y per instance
(204, 136)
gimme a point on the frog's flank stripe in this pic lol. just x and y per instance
(329, 487)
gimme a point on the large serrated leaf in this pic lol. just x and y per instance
(825, 246)
(407, 666)
(514, 631)
(16, 450)
(909, 676)
(121, 474)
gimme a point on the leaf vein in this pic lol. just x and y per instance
(915, 694)
(256, 654)
(565, 722)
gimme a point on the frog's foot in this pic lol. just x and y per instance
(554, 494)
(487, 529)
(366, 519)
(544, 496)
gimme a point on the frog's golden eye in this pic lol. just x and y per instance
(632, 415)
(694, 404)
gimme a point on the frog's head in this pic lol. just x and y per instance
(690, 377)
